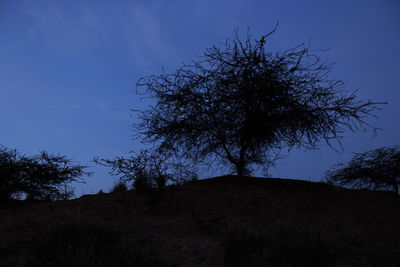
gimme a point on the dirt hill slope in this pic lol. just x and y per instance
(185, 223)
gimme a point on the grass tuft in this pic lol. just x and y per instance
(78, 243)
(280, 244)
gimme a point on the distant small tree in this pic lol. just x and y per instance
(40, 177)
(377, 169)
(147, 169)
(241, 104)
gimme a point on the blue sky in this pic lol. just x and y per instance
(68, 68)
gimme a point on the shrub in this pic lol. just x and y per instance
(148, 170)
(284, 244)
(40, 177)
(119, 186)
(376, 169)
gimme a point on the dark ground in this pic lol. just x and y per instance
(184, 221)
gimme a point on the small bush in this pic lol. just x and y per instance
(145, 181)
(74, 242)
(277, 245)
(149, 170)
(120, 186)
(377, 169)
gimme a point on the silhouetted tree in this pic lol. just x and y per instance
(376, 169)
(40, 177)
(147, 169)
(241, 103)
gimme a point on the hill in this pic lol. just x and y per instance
(195, 224)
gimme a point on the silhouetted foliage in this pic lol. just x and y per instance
(242, 104)
(40, 177)
(376, 169)
(147, 170)
(119, 186)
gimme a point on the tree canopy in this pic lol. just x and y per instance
(240, 103)
(376, 169)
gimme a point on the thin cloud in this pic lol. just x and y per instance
(66, 28)
(145, 36)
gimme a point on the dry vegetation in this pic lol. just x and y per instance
(215, 222)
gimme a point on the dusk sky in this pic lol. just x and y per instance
(68, 69)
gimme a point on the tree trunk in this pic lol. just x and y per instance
(241, 165)
(241, 168)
